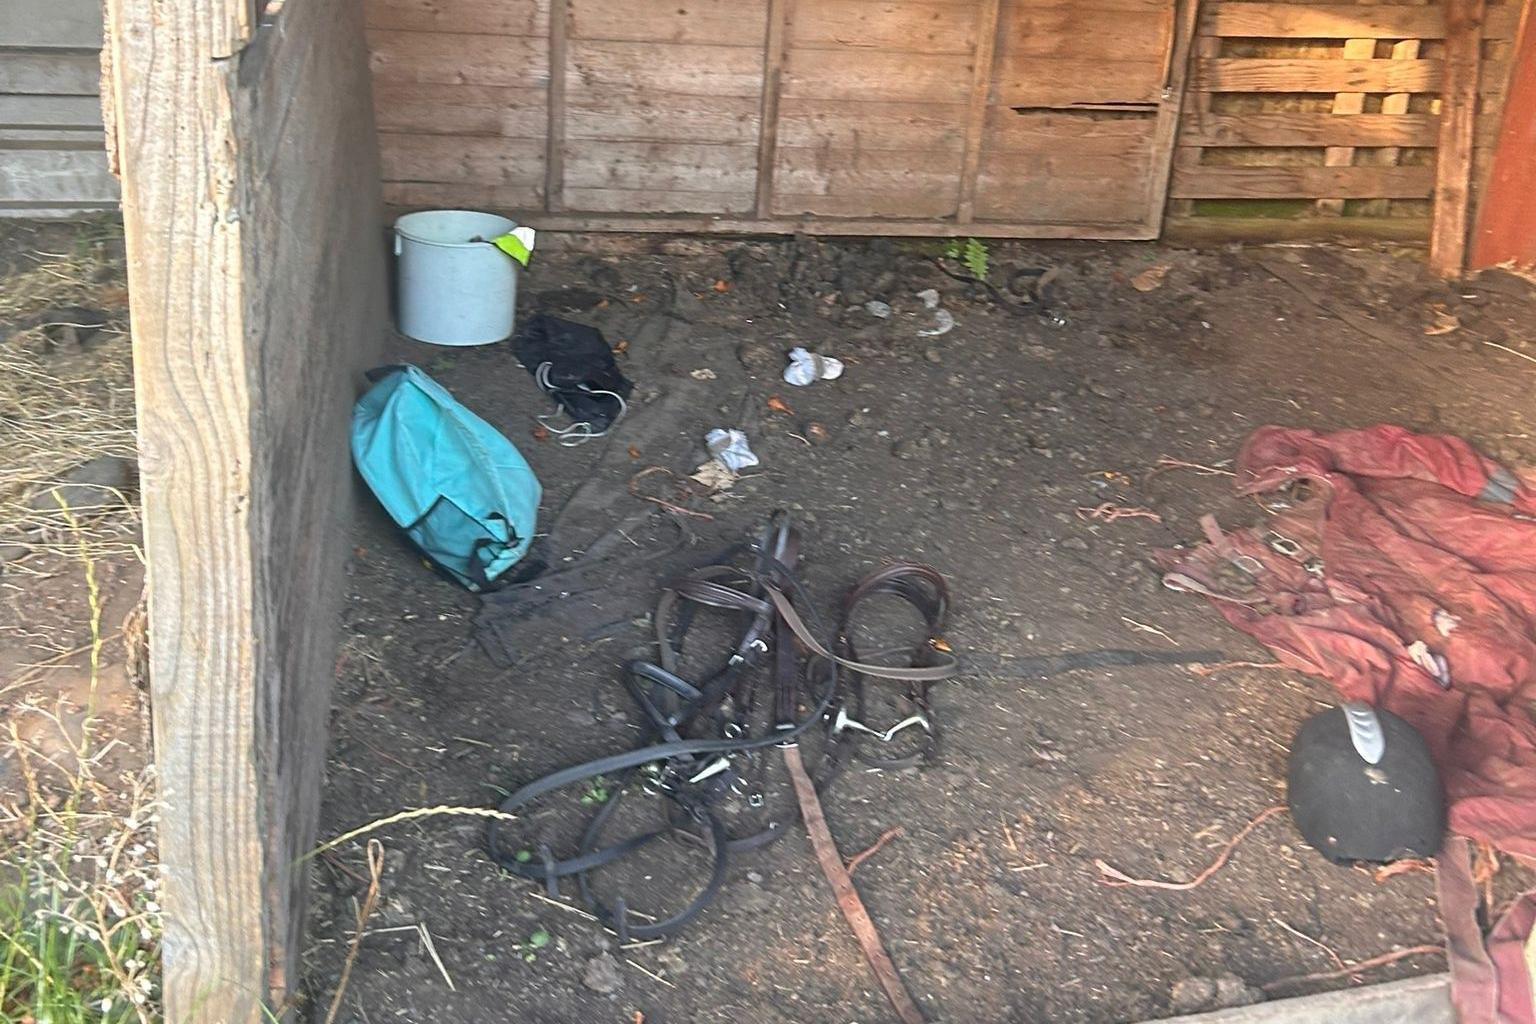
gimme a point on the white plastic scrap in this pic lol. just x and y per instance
(729, 448)
(808, 367)
(879, 310)
(943, 323)
(1429, 661)
(929, 298)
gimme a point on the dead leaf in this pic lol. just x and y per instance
(1402, 867)
(714, 475)
(817, 433)
(540, 433)
(622, 347)
(634, 452)
(776, 404)
(1150, 279)
(722, 286)
(1443, 321)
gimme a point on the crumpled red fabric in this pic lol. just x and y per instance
(1388, 538)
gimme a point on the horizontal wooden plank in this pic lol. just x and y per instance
(50, 74)
(32, 137)
(1302, 182)
(1065, 82)
(460, 159)
(436, 58)
(624, 117)
(865, 182)
(1196, 230)
(50, 111)
(874, 197)
(471, 17)
(630, 201)
(835, 124)
(874, 75)
(1065, 167)
(63, 177)
(650, 72)
(1305, 128)
(430, 109)
(429, 195)
(717, 22)
(52, 211)
(660, 166)
(1073, 137)
(1254, 74)
(713, 224)
(919, 26)
(1086, 31)
(1323, 21)
(51, 23)
(1239, 18)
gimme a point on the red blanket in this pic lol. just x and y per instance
(1392, 558)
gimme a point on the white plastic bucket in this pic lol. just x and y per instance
(453, 291)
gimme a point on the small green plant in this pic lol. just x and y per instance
(536, 941)
(597, 792)
(973, 253)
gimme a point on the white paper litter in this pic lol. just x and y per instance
(730, 449)
(808, 367)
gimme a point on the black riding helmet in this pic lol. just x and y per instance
(1362, 787)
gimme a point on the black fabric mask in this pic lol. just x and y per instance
(573, 364)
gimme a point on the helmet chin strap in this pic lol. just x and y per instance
(1365, 731)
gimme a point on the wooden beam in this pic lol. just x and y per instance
(554, 135)
(1458, 113)
(1311, 128)
(776, 42)
(250, 210)
(1302, 182)
(1185, 16)
(710, 224)
(1265, 74)
(1324, 21)
(1506, 216)
(983, 60)
(1345, 104)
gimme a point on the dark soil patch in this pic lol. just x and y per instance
(972, 450)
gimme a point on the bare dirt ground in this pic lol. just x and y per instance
(974, 450)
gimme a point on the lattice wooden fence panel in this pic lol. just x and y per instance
(1316, 110)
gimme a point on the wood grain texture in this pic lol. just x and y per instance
(717, 22)
(1505, 231)
(1062, 167)
(251, 216)
(848, 73)
(1310, 128)
(1261, 74)
(1324, 21)
(712, 224)
(982, 71)
(1343, 21)
(472, 17)
(556, 105)
(441, 58)
(1059, 54)
(51, 23)
(72, 169)
(1345, 104)
(775, 48)
(913, 26)
(426, 109)
(50, 111)
(1293, 182)
(31, 73)
(1165, 132)
(1453, 158)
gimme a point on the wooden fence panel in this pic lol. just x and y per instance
(1327, 108)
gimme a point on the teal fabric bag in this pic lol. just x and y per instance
(458, 488)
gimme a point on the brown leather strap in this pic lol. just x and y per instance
(847, 896)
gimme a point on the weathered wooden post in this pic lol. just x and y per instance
(251, 206)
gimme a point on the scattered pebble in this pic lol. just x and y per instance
(602, 974)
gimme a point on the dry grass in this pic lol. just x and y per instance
(62, 405)
(79, 878)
